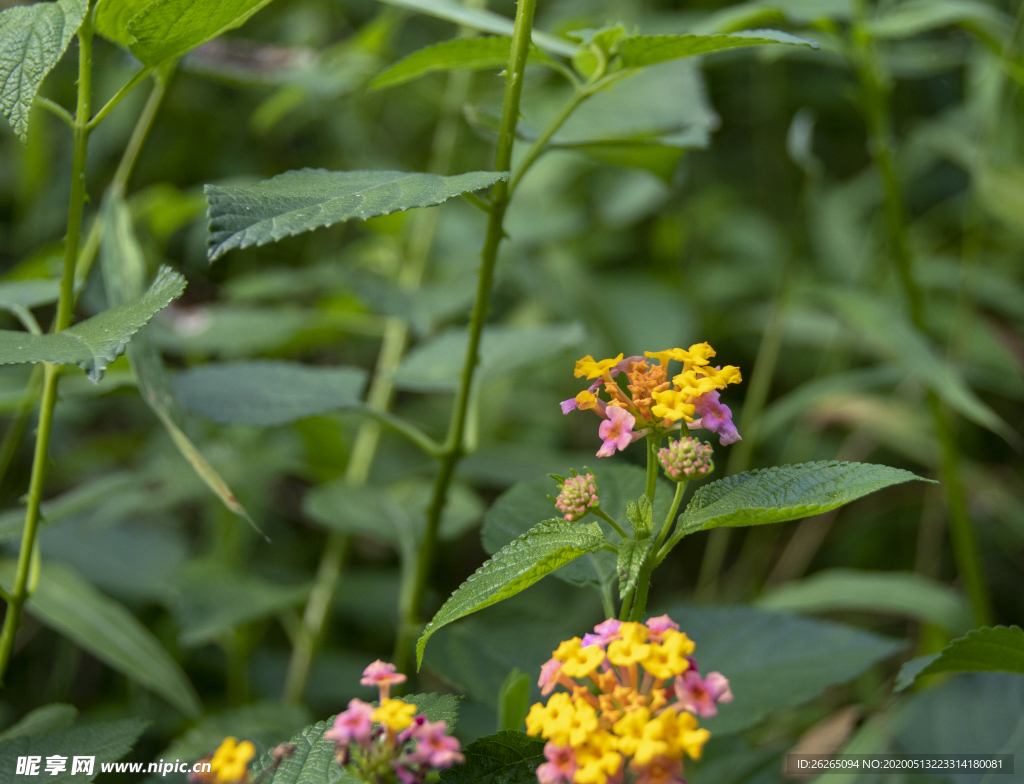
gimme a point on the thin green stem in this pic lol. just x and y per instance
(55, 108)
(608, 519)
(536, 149)
(875, 100)
(110, 105)
(142, 127)
(677, 499)
(410, 619)
(653, 444)
(627, 604)
(65, 305)
(403, 428)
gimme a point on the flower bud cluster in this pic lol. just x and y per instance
(577, 497)
(388, 742)
(685, 459)
(632, 701)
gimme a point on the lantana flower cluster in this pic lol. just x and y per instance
(654, 402)
(390, 741)
(633, 694)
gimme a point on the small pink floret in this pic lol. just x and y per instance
(659, 625)
(701, 696)
(352, 725)
(604, 633)
(549, 676)
(380, 673)
(617, 431)
(561, 764)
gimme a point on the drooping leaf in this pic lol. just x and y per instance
(513, 700)
(459, 53)
(487, 21)
(32, 40)
(774, 660)
(518, 565)
(507, 757)
(891, 334)
(632, 554)
(124, 271)
(900, 593)
(390, 513)
(437, 707)
(640, 50)
(29, 293)
(267, 392)
(105, 628)
(990, 649)
(107, 741)
(308, 199)
(312, 762)
(96, 342)
(166, 29)
(214, 599)
(42, 721)
(781, 493)
(436, 365)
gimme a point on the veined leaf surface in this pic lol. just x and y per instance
(299, 201)
(165, 29)
(990, 649)
(507, 757)
(518, 565)
(96, 342)
(32, 39)
(640, 50)
(781, 493)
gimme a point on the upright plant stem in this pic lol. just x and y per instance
(875, 100)
(65, 304)
(395, 339)
(409, 619)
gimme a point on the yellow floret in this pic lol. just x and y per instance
(230, 762)
(582, 661)
(671, 404)
(591, 369)
(632, 648)
(396, 715)
(680, 731)
(630, 730)
(582, 723)
(597, 759)
(669, 658)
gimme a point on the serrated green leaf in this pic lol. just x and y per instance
(459, 53)
(166, 29)
(42, 721)
(267, 392)
(781, 493)
(437, 707)
(299, 201)
(482, 19)
(312, 763)
(32, 39)
(107, 741)
(507, 757)
(513, 700)
(113, 17)
(640, 515)
(213, 599)
(390, 513)
(774, 660)
(898, 593)
(436, 365)
(632, 554)
(639, 50)
(518, 565)
(990, 649)
(124, 272)
(105, 628)
(521, 507)
(96, 342)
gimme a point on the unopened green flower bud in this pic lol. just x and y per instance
(686, 459)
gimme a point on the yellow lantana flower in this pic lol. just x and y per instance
(671, 404)
(597, 759)
(577, 661)
(669, 658)
(680, 731)
(632, 648)
(592, 369)
(230, 762)
(396, 715)
(630, 730)
(555, 721)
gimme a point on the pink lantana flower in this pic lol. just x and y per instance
(382, 675)
(660, 770)
(604, 633)
(352, 725)
(701, 696)
(716, 417)
(617, 431)
(434, 747)
(561, 764)
(659, 625)
(549, 673)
